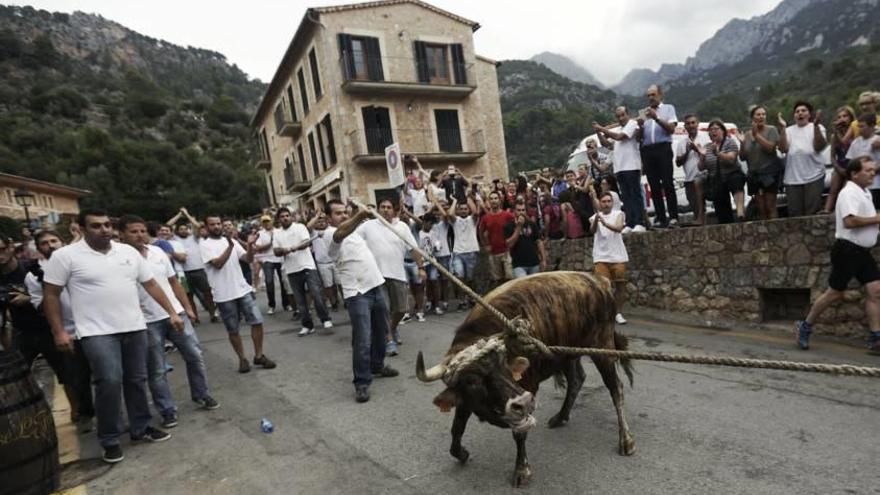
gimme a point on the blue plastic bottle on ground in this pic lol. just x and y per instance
(266, 426)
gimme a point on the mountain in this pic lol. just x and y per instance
(567, 67)
(730, 44)
(147, 125)
(545, 114)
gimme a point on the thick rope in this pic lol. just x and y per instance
(519, 340)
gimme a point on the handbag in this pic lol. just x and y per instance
(713, 184)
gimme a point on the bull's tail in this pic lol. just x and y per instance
(621, 343)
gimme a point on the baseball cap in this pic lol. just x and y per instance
(265, 218)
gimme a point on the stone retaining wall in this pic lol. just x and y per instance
(719, 271)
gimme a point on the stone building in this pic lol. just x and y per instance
(356, 78)
(49, 204)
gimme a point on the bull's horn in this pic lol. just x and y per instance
(431, 375)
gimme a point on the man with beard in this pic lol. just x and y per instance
(233, 295)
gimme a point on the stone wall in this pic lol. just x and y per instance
(719, 271)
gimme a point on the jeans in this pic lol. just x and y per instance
(464, 264)
(629, 183)
(522, 271)
(119, 368)
(308, 280)
(197, 281)
(657, 160)
(270, 268)
(369, 324)
(188, 345)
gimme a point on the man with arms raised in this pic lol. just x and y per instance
(102, 278)
(361, 283)
(624, 141)
(233, 295)
(193, 267)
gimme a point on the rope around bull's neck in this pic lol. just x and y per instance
(520, 340)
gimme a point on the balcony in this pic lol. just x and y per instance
(284, 125)
(294, 185)
(262, 163)
(429, 145)
(363, 74)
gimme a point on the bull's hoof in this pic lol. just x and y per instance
(627, 447)
(557, 421)
(462, 455)
(522, 476)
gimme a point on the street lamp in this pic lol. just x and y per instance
(25, 199)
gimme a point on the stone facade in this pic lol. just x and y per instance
(396, 26)
(721, 271)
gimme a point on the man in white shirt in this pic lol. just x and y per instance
(389, 251)
(233, 295)
(658, 126)
(326, 268)
(856, 227)
(193, 267)
(466, 248)
(609, 251)
(361, 283)
(271, 264)
(102, 277)
(688, 155)
(291, 243)
(627, 165)
(133, 231)
(868, 144)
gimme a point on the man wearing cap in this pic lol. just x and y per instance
(271, 263)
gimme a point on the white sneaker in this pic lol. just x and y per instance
(626, 230)
(271, 311)
(305, 331)
(639, 228)
(420, 317)
(438, 311)
(620, 319)
(673, 222)
(328, 324)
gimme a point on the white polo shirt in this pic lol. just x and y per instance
(35, 290)
(227, 283)
(193, 253)
(355, 264)
(292, 236)
(161, 268)
(626, 152)
(388, 249)
(853, 200)
(103, 287)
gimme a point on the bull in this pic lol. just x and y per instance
(564, 309)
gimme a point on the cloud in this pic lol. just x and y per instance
(607, 38)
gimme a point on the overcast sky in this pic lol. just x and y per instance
(608, 38)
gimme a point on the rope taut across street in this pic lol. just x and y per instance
(520, 338)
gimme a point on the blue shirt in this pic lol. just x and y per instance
(653, 132)
(164, 246)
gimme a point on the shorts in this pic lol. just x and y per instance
(734, 182)
(327, 271)
(232, 311)
(762, 182)
(432, 271)
(412, 272)
(396, 292)
(615, 272)
(464, 264)
(690, 190)
(197, 280)
(848, 261)
(500, 267)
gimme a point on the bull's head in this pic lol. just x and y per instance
(483, 378)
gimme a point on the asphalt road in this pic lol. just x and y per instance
(698, 429)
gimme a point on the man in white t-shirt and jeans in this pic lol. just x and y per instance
(292, 243)
(133, 231)
(624, 141)
(867, 143)
(361, 283)
(326, 269)
(389, 251)
(232, 294)
(271, 264)
(857, 224)
(193, 267)
(102, 278)
(687, 155)
(466, 248)
(609, 251)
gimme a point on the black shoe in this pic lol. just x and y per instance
(152, 435)
(169, 420)
(112, 454)
(386, 372)
(243, 366)
(361, 394)
(207, 402)
(265, 362)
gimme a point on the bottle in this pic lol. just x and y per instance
(266, 426)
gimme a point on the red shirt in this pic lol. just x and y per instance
(494, 224)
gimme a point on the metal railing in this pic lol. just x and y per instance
(425, 141)
(363, 67)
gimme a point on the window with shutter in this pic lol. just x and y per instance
(321, 148)
(292, 102)
(361, 58)
(302, 162)
(313, 154)
(316, 78)
(303, 92)
(459, 70)
(331, 146)
(448, 131)
(377, 129)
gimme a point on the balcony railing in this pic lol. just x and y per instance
(284, 125)
(450, 145)
(291, 181)
(362, 73)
